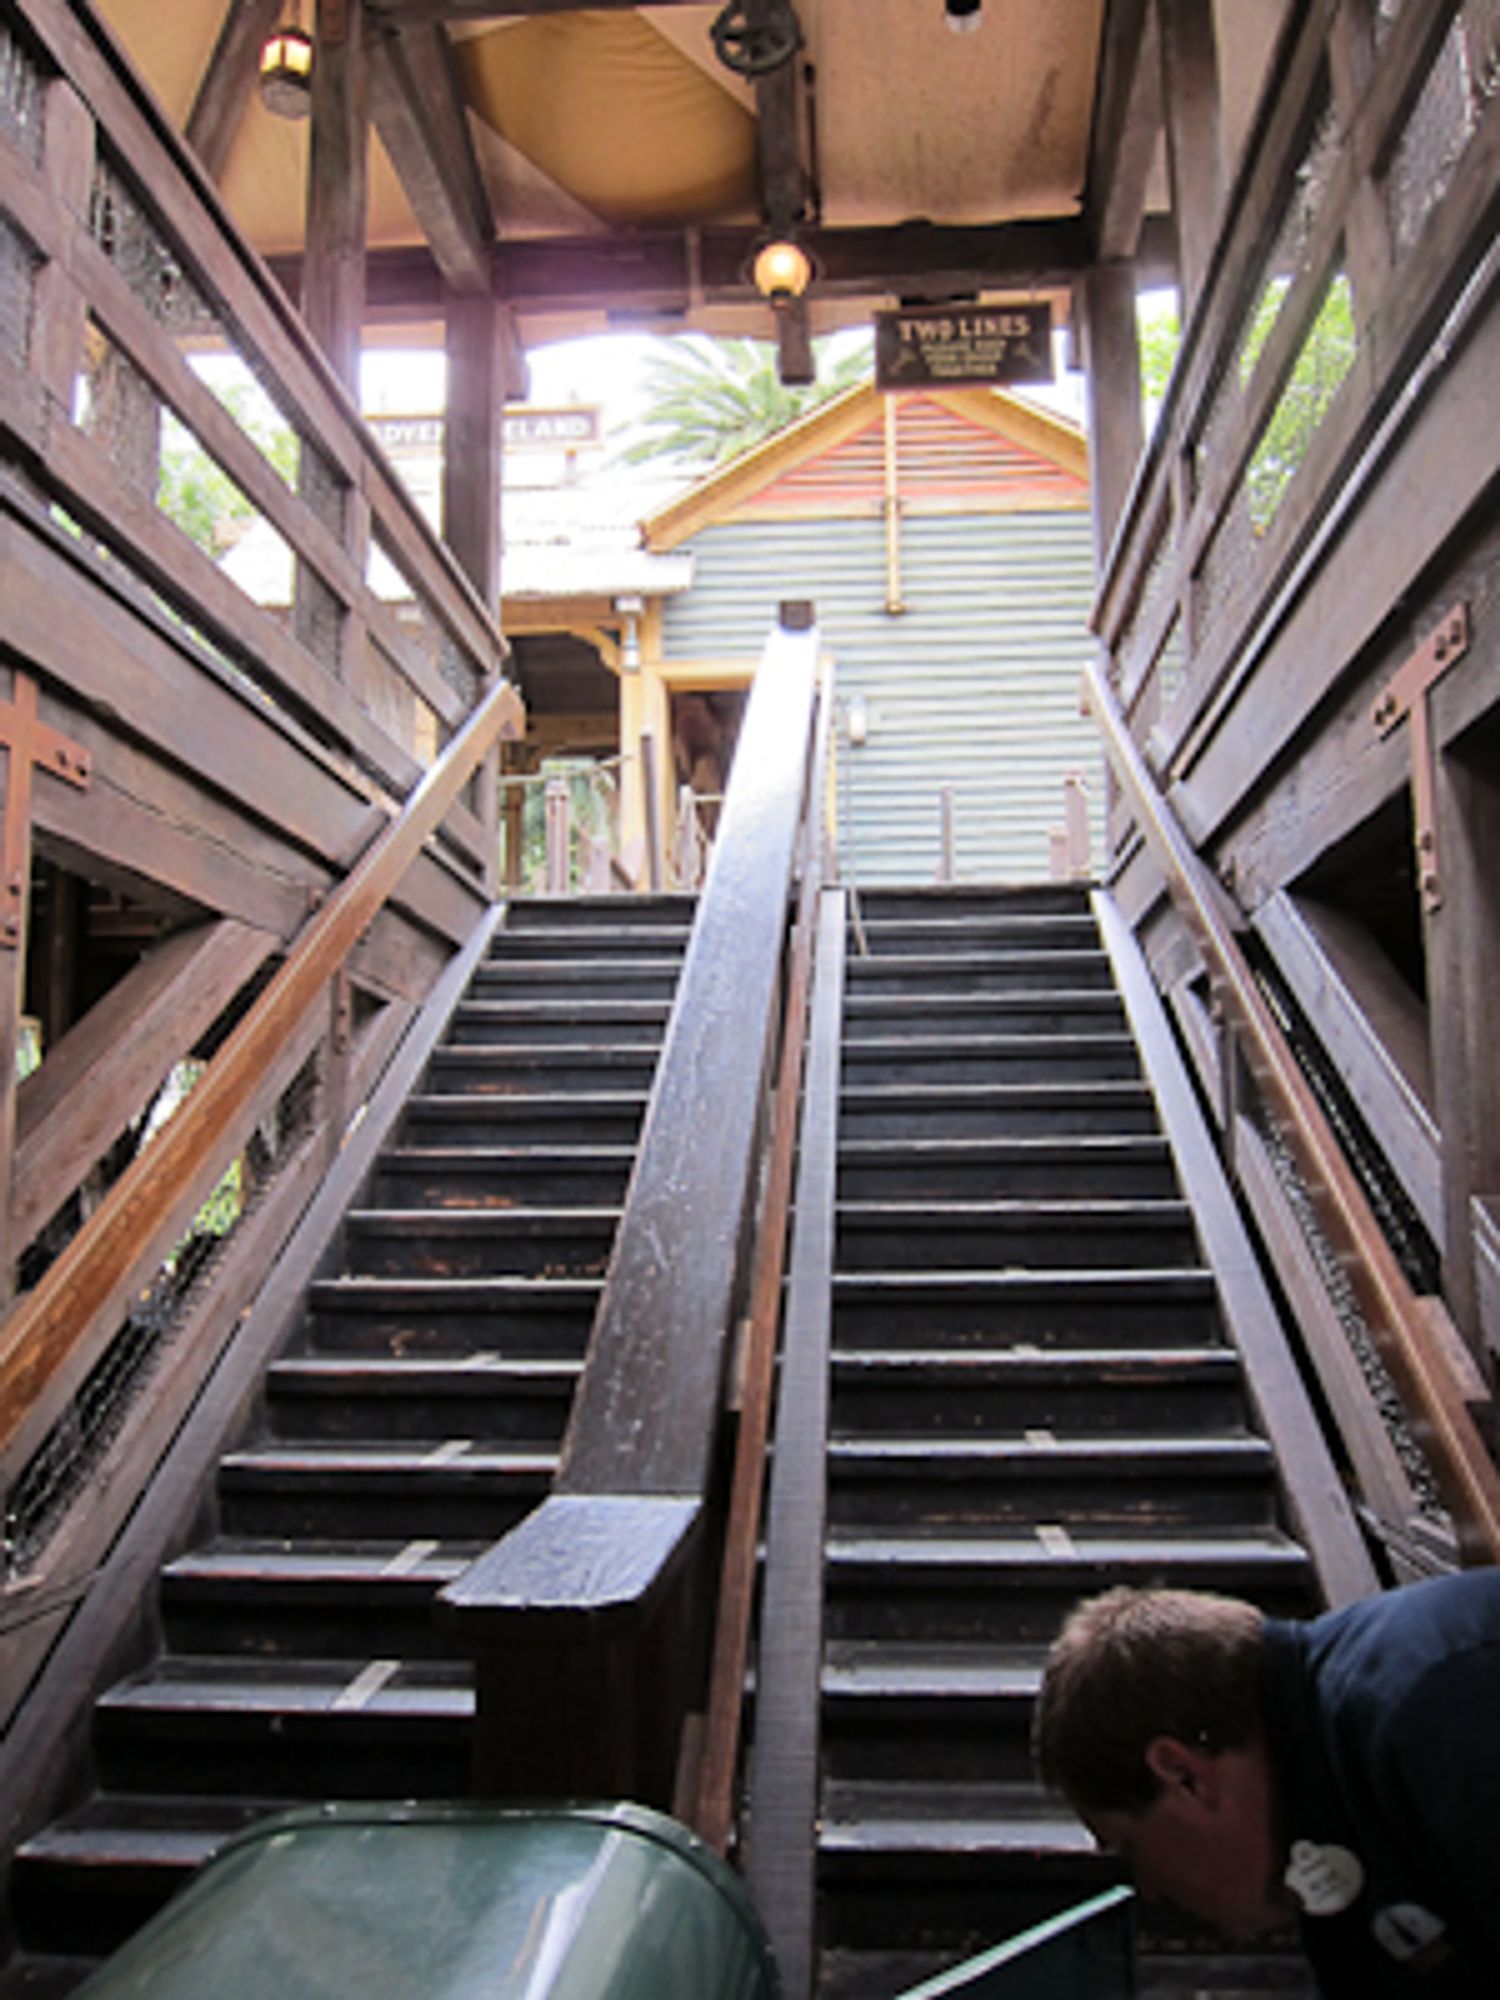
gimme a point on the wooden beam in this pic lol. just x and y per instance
(1112, 373)
(478, 340)
(484, 10)
(228, 80)
(333, 271)
(1190, 96)
(1127, 127)
(651, 271)
(419, 112)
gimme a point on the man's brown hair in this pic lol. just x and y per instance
(1133, 1665)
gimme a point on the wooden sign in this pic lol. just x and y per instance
(946, 347)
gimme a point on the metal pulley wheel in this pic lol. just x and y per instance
(753, 37)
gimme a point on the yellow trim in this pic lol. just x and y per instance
(716, 497)
(704, 676)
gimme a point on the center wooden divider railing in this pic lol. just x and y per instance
(1407, 1330)
(591, 1621)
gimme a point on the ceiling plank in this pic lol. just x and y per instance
(418, 110)
(231, 75)
(1127, 127)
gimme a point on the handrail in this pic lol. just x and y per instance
(144, 1208)
(712, 1816)
(583, 1619)
(1399, 1321)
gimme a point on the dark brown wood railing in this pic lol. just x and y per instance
(1405, 1327)
(588, 1621)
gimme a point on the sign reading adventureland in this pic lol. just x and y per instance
(940, 347)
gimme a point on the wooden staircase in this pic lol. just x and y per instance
(417, 1416)
(1031, 1398)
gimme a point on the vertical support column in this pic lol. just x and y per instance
(58, 312)
(1463, 977)
(1190, 98)
(1367, 235)
(1105, 301)
(333, 266)
(480, 347)
(645, 708)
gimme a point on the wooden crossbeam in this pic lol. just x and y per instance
(1404, 698)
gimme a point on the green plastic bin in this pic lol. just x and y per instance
(392, 1902)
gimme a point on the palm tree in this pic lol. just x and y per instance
(707, 400)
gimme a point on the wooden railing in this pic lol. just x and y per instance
(356, 626)
(588, 1621)
(61, 1329)
(1342, 258)
(1409, 1331)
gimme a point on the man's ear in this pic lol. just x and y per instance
(1182, 1767)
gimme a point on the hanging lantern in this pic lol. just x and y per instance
(286, 62)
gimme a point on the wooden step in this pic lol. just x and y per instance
(1054, 1010)
(575, 979)
(1097, 1391)
(1083, 1166)
(307, 1729)
(611, 913)
(993, 1110)
(1086, 1485)
(989, 1235)
(611, 943)
(999, 928)
(539, 1317)
(86, 1882)
(557, 1023)
(458, 1487)
(974, 972)
(352, 1600)
(480, 1242)
(602, 1118)
(501, 1177)
(993, 1058)
(485, 1395)
(965, 899)
(1008, 1309)
(978, 1587)
(486, 1069)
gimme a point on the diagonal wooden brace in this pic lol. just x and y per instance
(1404, 697)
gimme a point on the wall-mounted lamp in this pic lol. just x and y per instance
(782, 269)
(963, 15)
(858, 721)
(286, 61)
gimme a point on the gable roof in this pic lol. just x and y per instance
(955, 450)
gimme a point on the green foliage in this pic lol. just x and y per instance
(193, 489)
(1159, 334)
(708, 400)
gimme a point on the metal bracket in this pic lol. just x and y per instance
(31, 744)
(1404, 698)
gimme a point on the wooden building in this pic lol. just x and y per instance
(396, 1274)
(945, 539)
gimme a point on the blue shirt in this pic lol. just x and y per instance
(1383, 1721)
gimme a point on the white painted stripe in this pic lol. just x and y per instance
(411, 1557)
(1055, 1539)
(1043, 1438)
(444, 1454)
(366, 1684)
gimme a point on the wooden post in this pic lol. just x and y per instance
(559, 818)
(478, 340)
(1190, 96)
(27, 743)
(333, 265)
(654, 868)
(1112, 365)
(514, 812)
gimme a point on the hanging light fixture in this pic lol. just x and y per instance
(782, 269)
(286, 61)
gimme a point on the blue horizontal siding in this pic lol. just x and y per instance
(974, 685)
